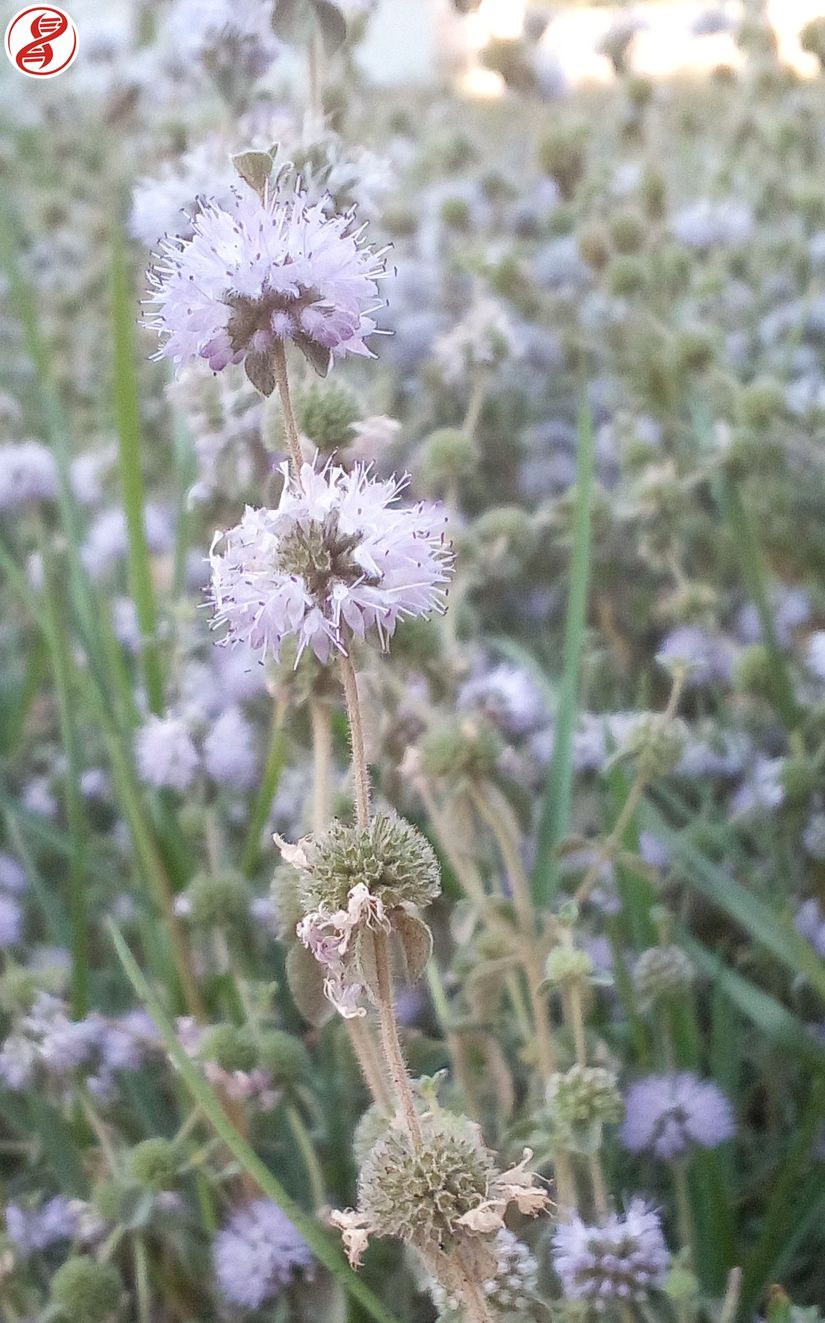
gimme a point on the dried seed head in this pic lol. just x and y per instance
(418, 1195)
(661, 972)
(566, 965)
(390, 858)
(584, 1097)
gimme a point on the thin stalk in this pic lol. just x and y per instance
(360, 771)
(143, 1289)
(613, 842)
(275, 759)
(308, 1156)
(321, 763)
(390, 1040)
(75, 811)
(475, 1304)
(368, 1057)
(530, 955)
(290, 425)
(684, 1216)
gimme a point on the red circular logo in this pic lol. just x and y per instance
(41, 41)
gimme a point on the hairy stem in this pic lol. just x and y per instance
(321, 763)
(369, 1059)
(290, 426)
(360, 771)
(390, 1040)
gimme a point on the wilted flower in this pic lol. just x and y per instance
(257, 272)
(336, 558)
(668, 1114)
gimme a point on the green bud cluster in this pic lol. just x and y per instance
(284, 1057)
(230, 1047)
(657, 745)
(390, 857)
(447, 455)
(660, 973)
(154, 1164)
(85, 1290)
(325, 414)
(468, 748)
(566, 965)
(218, 900)
(584, 1096)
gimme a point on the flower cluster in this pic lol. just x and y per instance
(259, 271)
(337, 558)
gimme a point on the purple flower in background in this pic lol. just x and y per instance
(337, 557)
(257, 273)
(11, 921)
(258, 1254)
(667, 1114)
(623, 1259)
(709, 656)
(12, 874)
(810, 922)
(229, 751)
(166, 754)
(28, 474)
(34, 1229)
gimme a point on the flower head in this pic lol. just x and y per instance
(336, 557)
(258, 1254)
(166, 754)
(259, 271)
(28, 474)
(623, 1259)
(667, 1114)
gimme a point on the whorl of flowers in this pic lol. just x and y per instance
(258, 1254)
(668, 1114)
(260, 270)
(336, 557)
(623, 1259)
(437, 1194)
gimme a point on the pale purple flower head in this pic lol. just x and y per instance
(810, 922)
(28, 474)
(668, 1114)
(11, 921)
(258, 1254)
(229, 751)
(621, 1260)
(166, 754)
(336, 558)
(261, 271)
(12, 874)
(34, 1229)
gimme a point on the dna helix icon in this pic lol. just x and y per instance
(38, 54)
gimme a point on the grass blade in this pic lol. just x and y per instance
(127, 418)
(559, 791)
(321, 1245)
(764, 925)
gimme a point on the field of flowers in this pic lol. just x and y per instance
(412, 715)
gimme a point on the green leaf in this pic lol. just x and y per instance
(319, 1242)
(127, 418)
(767, 929)
(306, 983)
(559, 791)
(332, 24)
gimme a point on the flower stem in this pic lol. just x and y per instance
(310, 1161)
(360, 772)
(290, 426)
(372, 1067)
(390, 1040)
(321, 761)
(476, 1305)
